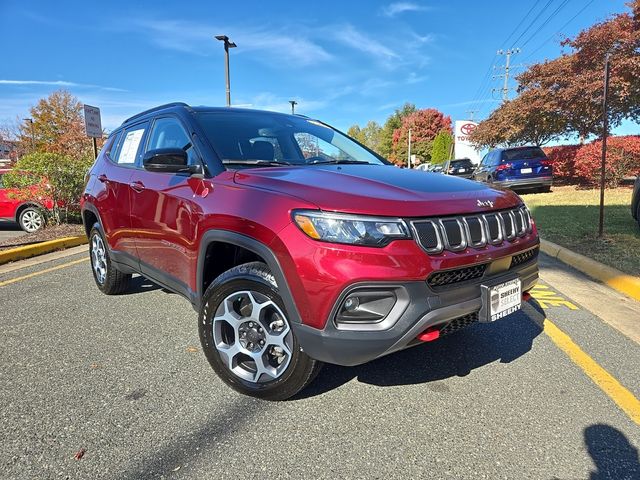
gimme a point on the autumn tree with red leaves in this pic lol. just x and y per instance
(425, 125)
(563, 96)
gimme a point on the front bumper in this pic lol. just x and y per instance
(425, 308)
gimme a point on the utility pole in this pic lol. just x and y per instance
(471, 114)
(293, 106)
(409, 151)
(507, 69)
(605, 128)
(227, 45)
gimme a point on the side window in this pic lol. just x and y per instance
(168, 133)
(1, 184)
(111, 147)
(130, 146)
(485, 160)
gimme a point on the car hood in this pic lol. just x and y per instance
(379, 190)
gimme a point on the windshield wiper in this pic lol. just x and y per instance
(339, 162)
(260, 163)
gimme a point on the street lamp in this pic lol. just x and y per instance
(605, 128)
(293, 106)
(227, 45)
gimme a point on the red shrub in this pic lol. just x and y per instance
(623, 159)
(563, 157)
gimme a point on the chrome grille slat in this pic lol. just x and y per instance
(456, 233)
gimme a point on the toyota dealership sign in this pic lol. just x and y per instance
(463, 146)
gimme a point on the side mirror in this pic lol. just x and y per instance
(168, 160)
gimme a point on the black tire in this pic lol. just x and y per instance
(113, 282)
(31, 219)
(545, 189)
(254, 277)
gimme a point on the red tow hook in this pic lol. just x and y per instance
(430, 334)
(526, 296)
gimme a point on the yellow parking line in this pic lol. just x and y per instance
(603, 379)
(41, 272)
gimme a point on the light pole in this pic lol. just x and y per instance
(227, 45)
(293, 106)
(409, 151)
(605, 127)
(33, 140)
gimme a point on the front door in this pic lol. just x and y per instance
(165, 212)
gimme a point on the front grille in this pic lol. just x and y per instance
(475, 231)
(524, 257)
(459, 323)
(447, 277)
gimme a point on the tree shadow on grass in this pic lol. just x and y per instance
(452, 356)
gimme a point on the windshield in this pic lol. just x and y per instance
(523, 153)
(268, 139)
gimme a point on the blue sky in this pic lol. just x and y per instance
(344, 62)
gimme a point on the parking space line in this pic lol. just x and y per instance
(41, 272)
(603, 379)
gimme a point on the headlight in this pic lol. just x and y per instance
(351, 229)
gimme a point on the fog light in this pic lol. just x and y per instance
(366, 305)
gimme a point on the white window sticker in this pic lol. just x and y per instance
(130, 146)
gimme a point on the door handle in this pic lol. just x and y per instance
(103, 178)
(137, 186)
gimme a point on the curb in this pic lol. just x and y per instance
(614, 278)
(41, 248)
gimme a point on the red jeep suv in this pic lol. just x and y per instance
(296, 244)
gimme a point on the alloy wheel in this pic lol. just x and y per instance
(99, 258)
(32, 221)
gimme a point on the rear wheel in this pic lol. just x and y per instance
(109, 280)
(31, 219)
(247, 337)
(545, 189)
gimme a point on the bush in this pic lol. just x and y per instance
(63, 181)
(563, 158)
(623, 159)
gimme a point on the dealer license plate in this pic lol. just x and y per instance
(526, 170)
(503, 299)
(462, 170)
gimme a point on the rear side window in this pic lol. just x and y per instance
(130, 146)
(111, 147)
(526, 153)
(1, 184)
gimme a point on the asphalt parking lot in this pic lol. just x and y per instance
(122, 382)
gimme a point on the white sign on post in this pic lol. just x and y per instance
(463, 147)
(92, 122)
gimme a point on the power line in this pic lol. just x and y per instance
(535, 4)
(546, 5)
(551, 37)
(546, 21)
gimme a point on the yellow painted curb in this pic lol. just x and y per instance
(622, 282)
(41, 248)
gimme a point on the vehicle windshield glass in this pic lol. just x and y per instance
(268, 139)
(523, 154)
(461, 163)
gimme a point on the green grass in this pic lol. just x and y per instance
(568, 216)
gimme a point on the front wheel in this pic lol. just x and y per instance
(31, 219)
(247, 336)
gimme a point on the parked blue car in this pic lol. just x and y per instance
(518, 167)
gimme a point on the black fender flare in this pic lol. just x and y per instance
(27, 204)
(91, 208)
(259, 249)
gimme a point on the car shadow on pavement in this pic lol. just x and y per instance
(612, 453)
(140, 284)
(455, 355)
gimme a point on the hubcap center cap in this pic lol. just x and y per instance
(252, 336)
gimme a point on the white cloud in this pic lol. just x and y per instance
(197, 38)
(397, 8)
(58, 83)
(351, 37)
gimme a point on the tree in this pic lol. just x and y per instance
(355, 132)
(393, 123)
(424, 125)
(564, 96)
(441, 149)
(56, 126)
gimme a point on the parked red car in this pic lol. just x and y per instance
(296, 244)
(28, 213)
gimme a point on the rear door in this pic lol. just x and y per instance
(113, 193)
(165, 211)
(6, 207)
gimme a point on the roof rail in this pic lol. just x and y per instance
(155, 109)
